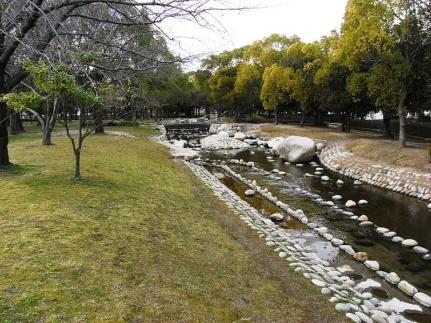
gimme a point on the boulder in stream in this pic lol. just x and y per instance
(295, 149)
(222, 141)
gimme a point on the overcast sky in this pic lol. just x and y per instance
(309, 19)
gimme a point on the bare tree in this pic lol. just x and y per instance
(65, 29)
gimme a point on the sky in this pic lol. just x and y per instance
(309, 19)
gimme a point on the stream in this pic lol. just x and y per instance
(408, 217)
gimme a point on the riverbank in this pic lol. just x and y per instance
(140, 238)
(375, 161)
(364, 144)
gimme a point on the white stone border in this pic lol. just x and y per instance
(401, 180)
(403, 285)
(350, 297)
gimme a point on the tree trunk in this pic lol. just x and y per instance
(343, 122)
(387, 125)
(4, 136)
(276, 116)
(77, 175)
(302, 118)
(348, 122)
(46, 134)
(98, 120)
(402, 116)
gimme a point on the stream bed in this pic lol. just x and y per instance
(406, 216)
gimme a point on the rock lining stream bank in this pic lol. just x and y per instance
(398, 179)
(350, 297)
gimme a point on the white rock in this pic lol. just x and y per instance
(397, 306)
(407, 288)
(348, 249)
(423, 299)
(363, 218)
(409, 243)
(364, 318)
(362, 202)
(222, 141)
(357, 182)
(180, 143)
(369, 283)
(318, 282)
(282, 254)
(337, 197)
(389, 234)
(277, 217)
(382, 230)
(324, 178)
(346, 307)
(366, 224)
(350, 204)
(340, 182)
(239, 135)
(373, 265)
(397, 239)
(296, 149)
(420, 250)
(353, 317)
(429, 206)
(320, 146)
(344, 269)
(273, 142)
(250, 193)
(322, 230)
(393, 278)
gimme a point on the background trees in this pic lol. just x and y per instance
(380, 62)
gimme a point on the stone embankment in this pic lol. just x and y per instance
(398, 179)
(350, 297)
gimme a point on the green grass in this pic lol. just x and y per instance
(139, 239)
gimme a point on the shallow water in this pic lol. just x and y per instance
(409, 217)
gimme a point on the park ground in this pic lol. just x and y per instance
(138, 239)
(364, 144)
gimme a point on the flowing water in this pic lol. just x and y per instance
(408, 217)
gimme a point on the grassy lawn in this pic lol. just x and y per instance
(139, 239)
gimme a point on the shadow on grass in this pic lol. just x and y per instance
(19, 170)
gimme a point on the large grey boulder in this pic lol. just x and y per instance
(296, 149)
(240, 136)
(222, 141)
(274, 142)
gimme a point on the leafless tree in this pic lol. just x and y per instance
(105, 34)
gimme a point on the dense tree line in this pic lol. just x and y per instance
(380, 61)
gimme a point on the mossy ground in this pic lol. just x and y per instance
(138, 239)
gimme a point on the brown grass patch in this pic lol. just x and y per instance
(385, 151)
(312, 132)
